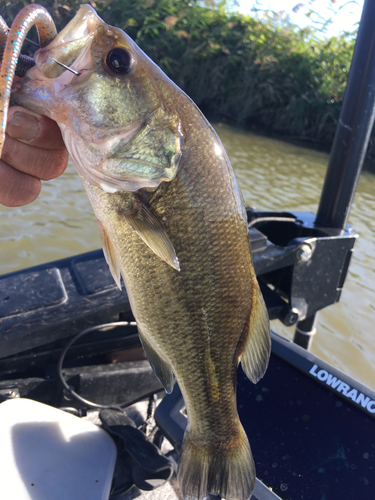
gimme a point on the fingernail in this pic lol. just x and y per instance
(23, 126)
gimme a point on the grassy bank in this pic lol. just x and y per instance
(262, 73)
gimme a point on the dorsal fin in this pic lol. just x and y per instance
(257, 341)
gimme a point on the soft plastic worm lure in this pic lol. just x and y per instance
(3, 35)
(24, 62)
(10, 46)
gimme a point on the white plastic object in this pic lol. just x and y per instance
(48, 454)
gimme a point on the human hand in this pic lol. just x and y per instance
(33, 151)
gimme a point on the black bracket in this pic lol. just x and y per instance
(301, 267)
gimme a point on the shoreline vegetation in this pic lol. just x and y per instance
(264, 74)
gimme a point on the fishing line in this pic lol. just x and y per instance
(92, 404)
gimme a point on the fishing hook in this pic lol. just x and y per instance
(66, 67)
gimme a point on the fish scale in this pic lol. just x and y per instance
(195, 291)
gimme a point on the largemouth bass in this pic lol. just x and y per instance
(173, 225)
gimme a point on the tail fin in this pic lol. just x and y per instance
(229, 472)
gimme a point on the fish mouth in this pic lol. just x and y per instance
(69, 43)
(40, 89)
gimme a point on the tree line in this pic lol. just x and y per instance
(260, 72)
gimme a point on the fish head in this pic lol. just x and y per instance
(115, 112)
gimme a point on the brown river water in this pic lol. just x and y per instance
(273, 175)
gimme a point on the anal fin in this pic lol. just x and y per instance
(257, 340)
(161, 369)
(110, 255)
(150, 229)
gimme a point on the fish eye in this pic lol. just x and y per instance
(119, 61)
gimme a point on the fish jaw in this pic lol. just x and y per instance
(118, 130)
(41, 90)
(76, 35)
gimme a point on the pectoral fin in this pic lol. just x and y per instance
(150, 229)
(110, 255)
(257, 340)
(161, 369)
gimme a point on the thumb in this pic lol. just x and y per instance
(33, 129)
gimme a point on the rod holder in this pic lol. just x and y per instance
(353, 130)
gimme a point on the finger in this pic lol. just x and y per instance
(34, 129)
(17, 188)
(44, 164)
